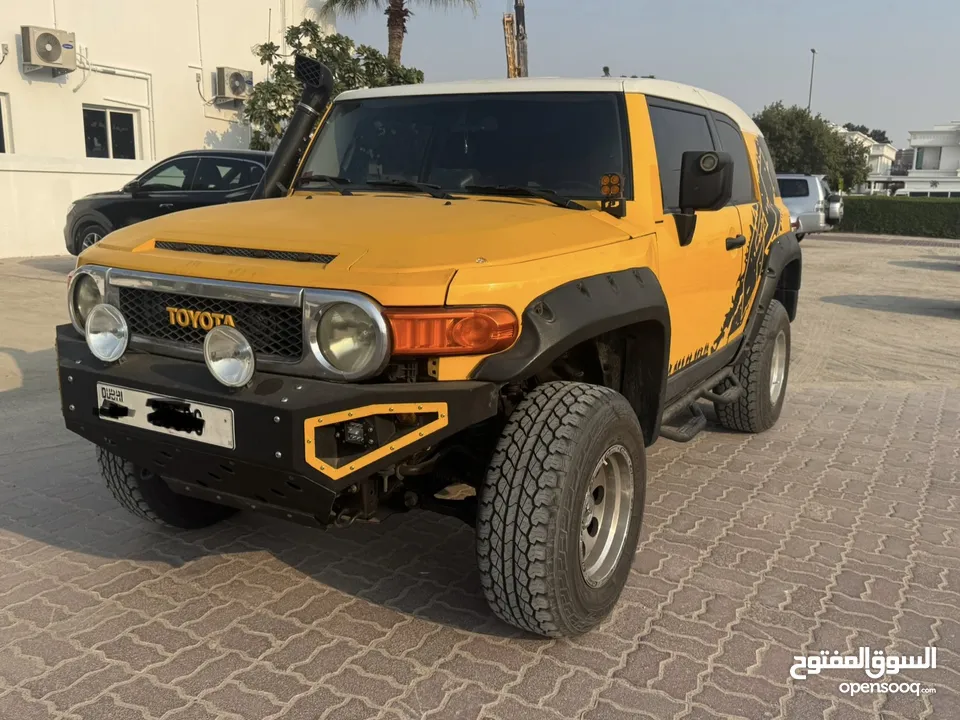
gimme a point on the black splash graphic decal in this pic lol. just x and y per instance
(764, 229)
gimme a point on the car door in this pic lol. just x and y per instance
(221, 179)
(162, 189)
(745, 199)
(698, 279)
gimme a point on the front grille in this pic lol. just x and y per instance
(321, 258)
(274, 331)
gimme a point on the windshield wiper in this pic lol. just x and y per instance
(334, 181)
(432, 190)
(514, 190)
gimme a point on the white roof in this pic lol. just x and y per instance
(645, 86)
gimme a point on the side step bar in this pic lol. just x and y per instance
(698, 421)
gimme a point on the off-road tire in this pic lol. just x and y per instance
(754, 412)
(529, 514)
(147, 496)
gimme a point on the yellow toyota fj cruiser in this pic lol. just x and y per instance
(511, 287)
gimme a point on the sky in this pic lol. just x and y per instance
(887, 64)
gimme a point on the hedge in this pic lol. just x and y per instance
(884, 215)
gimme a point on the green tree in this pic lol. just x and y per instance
(272, 101)
(804, 143)
(856, 128)
(397, 11)
(879, 136)
(850, 165)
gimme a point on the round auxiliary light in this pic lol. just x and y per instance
(106, 332)
(348, 338)
(229, 356)
(709, 162)
(85, 296)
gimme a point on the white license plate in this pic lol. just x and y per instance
(167, 415)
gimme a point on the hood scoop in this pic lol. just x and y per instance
(257, 253)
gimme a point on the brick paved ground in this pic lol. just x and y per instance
(839, 528)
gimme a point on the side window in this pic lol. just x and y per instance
(174, 175)
(252, 174)
(732, 142)
(674, 133)
(793, 187)
(216, 173)
(109, 133)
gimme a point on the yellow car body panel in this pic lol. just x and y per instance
(400, 249)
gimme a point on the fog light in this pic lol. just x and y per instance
(355, 433)
(106, 332)
(229, 356)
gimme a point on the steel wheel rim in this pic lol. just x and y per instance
(605, 516)
(778, 366)
(89, 239)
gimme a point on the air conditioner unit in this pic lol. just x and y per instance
(233, 84)
(48, 48)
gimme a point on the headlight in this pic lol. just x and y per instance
(229, 356)
(83, 298)
(350, 340)
(106, 332)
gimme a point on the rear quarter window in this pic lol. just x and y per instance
(793, 187)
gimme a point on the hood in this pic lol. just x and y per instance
(404, 246)
(104, 194)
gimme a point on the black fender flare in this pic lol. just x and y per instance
(581, 310)
(784, 250)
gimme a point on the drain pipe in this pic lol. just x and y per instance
(317, 83)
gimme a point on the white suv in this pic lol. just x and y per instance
(813, 206)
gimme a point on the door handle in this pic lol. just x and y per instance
(169, 206)
(736, 242)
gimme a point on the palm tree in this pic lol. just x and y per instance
(397, 12)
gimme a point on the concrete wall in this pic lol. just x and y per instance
(138, 56)
(36, 192)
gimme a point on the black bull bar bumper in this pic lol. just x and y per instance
(287, 457)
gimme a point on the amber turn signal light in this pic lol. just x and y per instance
(452, 331)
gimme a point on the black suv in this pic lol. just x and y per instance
(187, 180)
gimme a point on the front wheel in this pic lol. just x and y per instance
(146, 495)
(88, 236)
(560, 509)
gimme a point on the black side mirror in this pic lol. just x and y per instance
(706, 180)
(706, 183)
(132, 187)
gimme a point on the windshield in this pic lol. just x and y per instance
(562, 142)
(793, 187)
